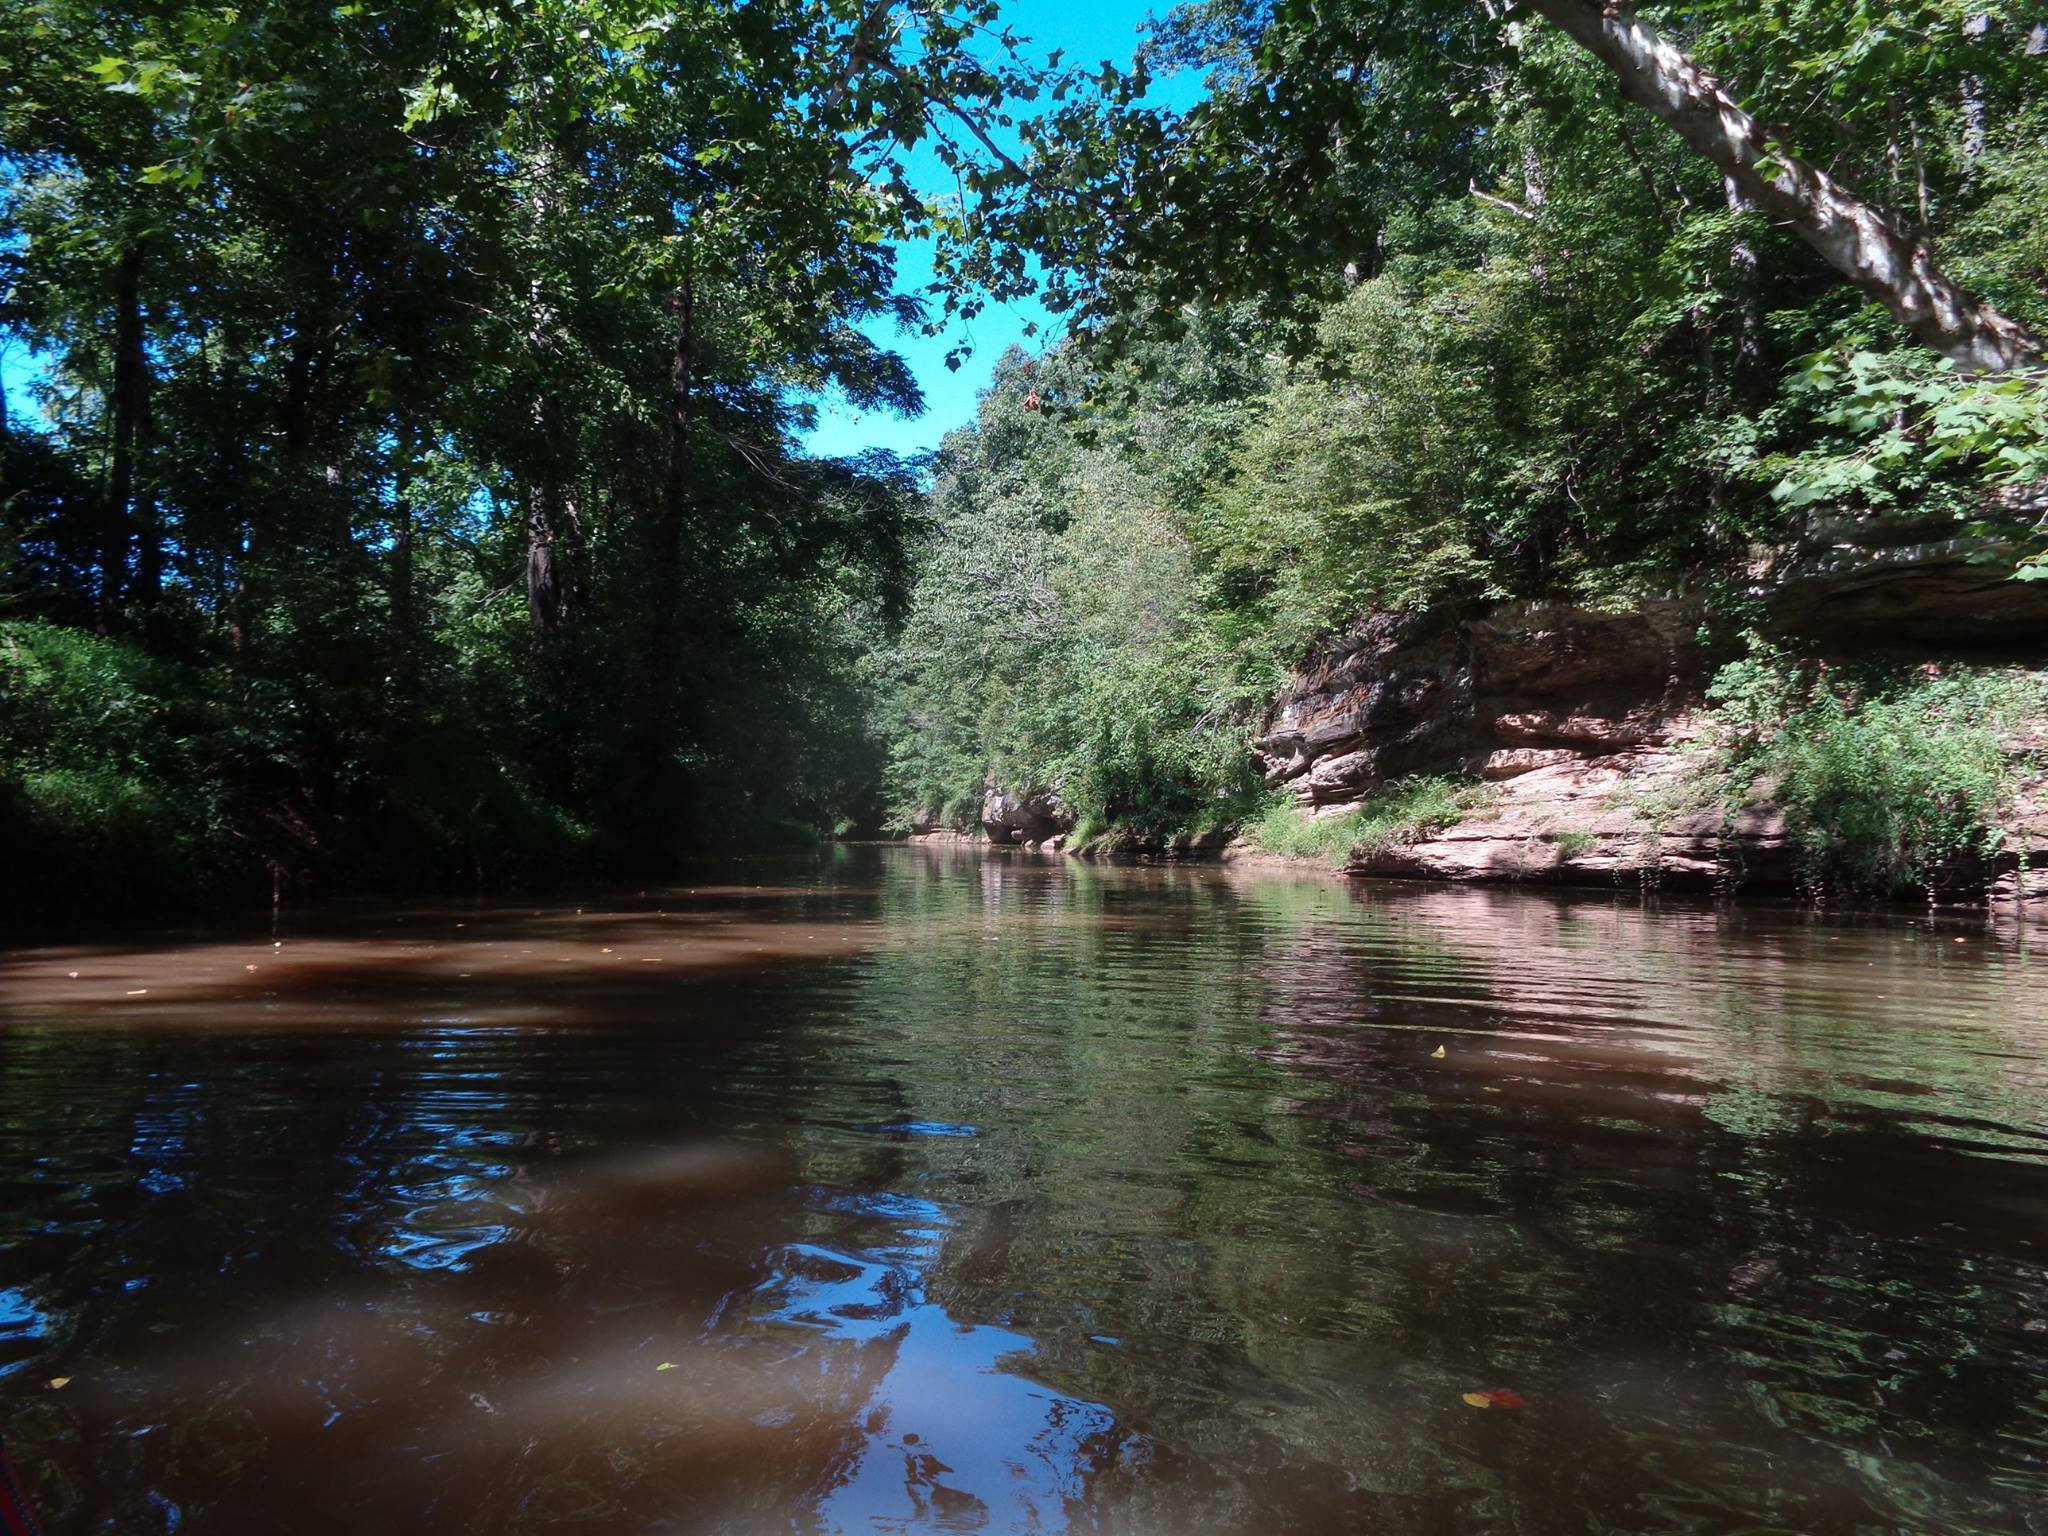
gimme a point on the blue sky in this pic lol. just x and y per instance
(1089, 33)
(17, 373)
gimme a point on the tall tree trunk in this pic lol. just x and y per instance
(547, 574)
(665, 554)
(402, 530)
(147, 513)
(550, 511)
(130, 406)
(1745, 280)
(1976, 121)
(284, 509)
(681, 385)
(1856, 238)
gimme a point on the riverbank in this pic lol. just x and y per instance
(1879, 730)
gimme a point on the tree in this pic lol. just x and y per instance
(480, 432)
(1872, 247)
(1328, 122)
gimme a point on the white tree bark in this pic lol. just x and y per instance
(1855, 237)
(1975, 124)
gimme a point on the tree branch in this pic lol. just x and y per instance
(1500, 202)
(1858, 239)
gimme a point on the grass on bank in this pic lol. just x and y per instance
(1399, 812)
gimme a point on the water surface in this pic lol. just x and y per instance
(905, 1191)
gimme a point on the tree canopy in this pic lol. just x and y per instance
(421, 386)
(1427, 305)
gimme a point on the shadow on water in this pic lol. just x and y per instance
(927, 1191)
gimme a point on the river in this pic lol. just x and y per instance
(903, 1190)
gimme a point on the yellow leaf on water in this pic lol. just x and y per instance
(1437, 1054)
(666, 1365)
(1477, 1400)
(58, 1383)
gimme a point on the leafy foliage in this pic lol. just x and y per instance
(1888, 784)
(1902, 429)
(1412, 309)
(1396, 813)
(422, 381)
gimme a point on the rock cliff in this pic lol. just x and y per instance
(1035, 820)
(1007, 818)
(1577, 718)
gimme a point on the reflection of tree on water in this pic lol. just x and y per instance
(1592, 1224)
(1720, 1151)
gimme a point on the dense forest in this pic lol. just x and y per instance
(412, 488)
(414, 495)
(1425, 307)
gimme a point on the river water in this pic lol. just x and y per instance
(905, 1190)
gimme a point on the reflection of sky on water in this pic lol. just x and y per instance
(950, 1438)
(22, 1326)
(920, 1128)
(447, 1208)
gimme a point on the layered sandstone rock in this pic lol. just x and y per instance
(1034, 820)
(1579, 719)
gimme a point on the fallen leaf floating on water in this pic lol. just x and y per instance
(1495, 1397)
(666, 1365)
(59, 1383)
(139, 992)
(1437, 1054)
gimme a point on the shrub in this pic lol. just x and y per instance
(1574, 842)
(1897, 785)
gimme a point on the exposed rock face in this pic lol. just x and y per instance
(1578, 717)
(1033, 820)
(1036, 820)
(1515, 689)
(1910, 589)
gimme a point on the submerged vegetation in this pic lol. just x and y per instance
(437, 511)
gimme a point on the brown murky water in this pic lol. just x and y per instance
(903, 1191)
